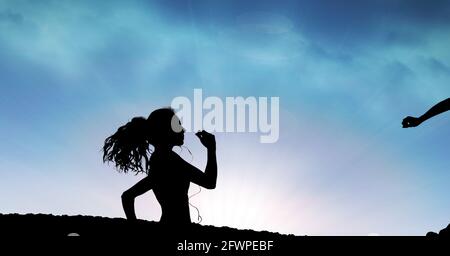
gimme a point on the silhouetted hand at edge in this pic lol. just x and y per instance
(207, 139)
(411, 121)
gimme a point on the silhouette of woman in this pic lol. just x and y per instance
(437, 109)
(167, 173)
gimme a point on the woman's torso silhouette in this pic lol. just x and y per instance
(170, 176)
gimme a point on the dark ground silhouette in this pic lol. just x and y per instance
(444, 233)
(154, 236)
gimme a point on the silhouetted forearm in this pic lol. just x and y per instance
(211, 169)
(128, 196)
(128, 206)
(436, 110)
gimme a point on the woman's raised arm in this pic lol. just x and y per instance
(207, 179)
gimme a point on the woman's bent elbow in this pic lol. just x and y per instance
(211, 185)
(127, 196)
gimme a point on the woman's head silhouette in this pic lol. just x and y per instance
(164, 128)
(129, 145)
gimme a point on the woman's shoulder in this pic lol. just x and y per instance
(175, 157)
(166, 158)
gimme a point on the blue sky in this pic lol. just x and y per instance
(346, 74)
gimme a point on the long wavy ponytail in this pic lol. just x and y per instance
(129, 146)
